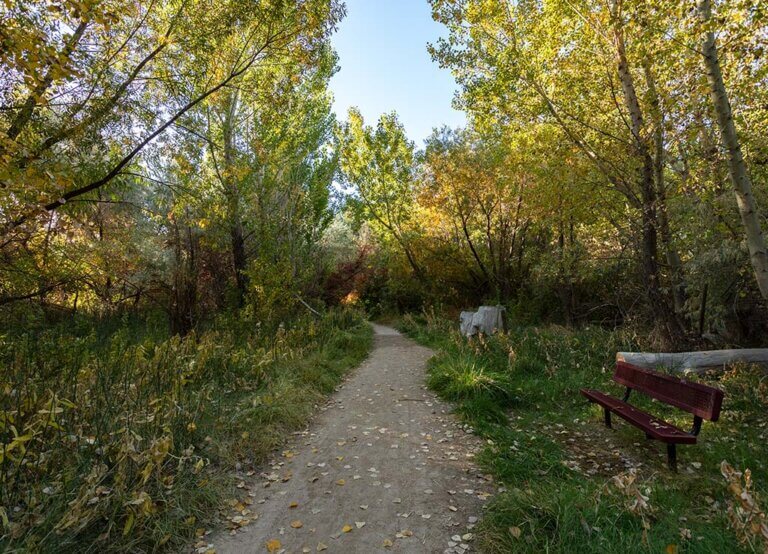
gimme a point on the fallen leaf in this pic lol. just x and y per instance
(293, 505)
(671, 549)
(297, 524)
(359, 524)
(387, 543)
(321, 547)
(340, 482)
(346, 528)
(515, 532)
(273, 545)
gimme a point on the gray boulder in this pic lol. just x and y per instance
(487, 320)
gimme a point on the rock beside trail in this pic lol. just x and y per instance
(487, 320)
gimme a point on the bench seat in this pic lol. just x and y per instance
(702, 401)
(653, 426)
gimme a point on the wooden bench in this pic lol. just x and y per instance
(700, 400)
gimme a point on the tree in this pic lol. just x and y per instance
(518, 63)
(104, 114)
(379, 163)
(737, 168)
(146, 46)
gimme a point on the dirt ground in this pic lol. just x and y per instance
(384, 467)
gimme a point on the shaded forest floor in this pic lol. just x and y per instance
(120, 438)
(571, 484)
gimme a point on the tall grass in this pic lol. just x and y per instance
(123, 442)
(520, 391)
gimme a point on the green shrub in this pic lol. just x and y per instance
(123, 439)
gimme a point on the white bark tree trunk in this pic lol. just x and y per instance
(742, 184)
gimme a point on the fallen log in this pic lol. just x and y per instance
(694, 361)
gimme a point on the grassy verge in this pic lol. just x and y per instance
(574, 486)
(128, 442)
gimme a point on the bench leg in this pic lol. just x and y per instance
(672, 456)
(607, 413)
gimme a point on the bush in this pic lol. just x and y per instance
(124, 441)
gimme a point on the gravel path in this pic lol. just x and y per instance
(384, 467)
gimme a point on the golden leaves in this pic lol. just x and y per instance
(744, 514)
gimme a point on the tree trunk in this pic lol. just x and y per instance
(565, 285)
(673, 257)
(240, 261)
(742, 184)
(659, 305)
(231, 186)
(183, 310)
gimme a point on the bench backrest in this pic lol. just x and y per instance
(695, 398)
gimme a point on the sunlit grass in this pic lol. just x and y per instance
(520, 391)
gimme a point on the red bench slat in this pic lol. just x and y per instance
(652, 425)
(695, 398)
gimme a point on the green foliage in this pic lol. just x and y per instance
(590, 184)
(123, 441)
(379, 164)
(173, 141)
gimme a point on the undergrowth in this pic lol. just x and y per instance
(520, 391)
(126, 441)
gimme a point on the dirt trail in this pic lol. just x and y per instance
(385, 458)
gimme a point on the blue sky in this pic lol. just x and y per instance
(385, 66)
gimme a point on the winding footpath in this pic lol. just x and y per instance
(385, 467)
